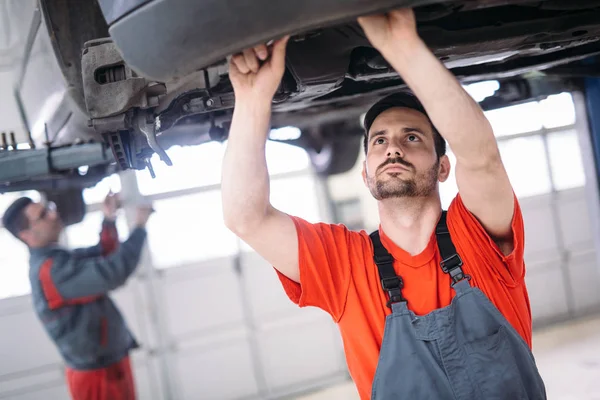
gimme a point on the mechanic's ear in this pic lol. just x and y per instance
(25, 236)
(364, 173)
(444, 169)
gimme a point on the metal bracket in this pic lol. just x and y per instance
(149, 130)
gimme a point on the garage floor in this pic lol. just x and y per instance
(568, 357)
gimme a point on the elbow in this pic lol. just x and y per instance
(239, 226)
(243, 223)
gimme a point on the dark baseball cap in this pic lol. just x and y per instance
(11, 215)
(403, 99)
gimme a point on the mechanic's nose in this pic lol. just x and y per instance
(394, 149)
(394, 152)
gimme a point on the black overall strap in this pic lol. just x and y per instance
(451, 262)
(390, 282)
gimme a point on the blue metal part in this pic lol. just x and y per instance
(592, 94)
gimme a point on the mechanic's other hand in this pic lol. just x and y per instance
(385, 31)
(142, 214)
(254, 81)
(110, 205)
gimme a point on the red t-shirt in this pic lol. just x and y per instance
(338, 275)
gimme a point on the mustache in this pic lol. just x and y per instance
(396, 160)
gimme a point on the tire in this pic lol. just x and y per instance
(337, 155)
(70, 205)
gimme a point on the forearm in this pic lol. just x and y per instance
(458, 118)
(245, 178)
(114, 270)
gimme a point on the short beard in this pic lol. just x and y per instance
(422, 185)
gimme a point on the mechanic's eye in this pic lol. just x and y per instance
(379, 141)
(412, 138)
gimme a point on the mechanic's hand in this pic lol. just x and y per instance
(385, 31)
(252, 81)
(110, 205)
(142, 215)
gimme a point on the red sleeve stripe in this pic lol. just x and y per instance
(53, 297)
(103, 332)
(109, 239)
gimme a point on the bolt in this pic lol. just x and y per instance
(210, 103)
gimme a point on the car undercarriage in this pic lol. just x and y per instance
(145, 75)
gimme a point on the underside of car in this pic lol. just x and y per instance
(144, 75)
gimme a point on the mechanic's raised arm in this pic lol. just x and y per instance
(109, 242)
(247, 211)
(109, 236)
(70, 277)
(482, 180)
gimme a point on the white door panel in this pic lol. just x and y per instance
(299, 352)
(144, 373)
(266, 296)
(32, 380)
(540, 231)
(53, 392)
(197, 301)
(25, 344)
(218, 371)
(546, 292)
(575, 220)
(585, 279)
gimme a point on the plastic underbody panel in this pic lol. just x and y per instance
(164, 39)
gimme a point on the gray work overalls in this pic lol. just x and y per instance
(466, 350)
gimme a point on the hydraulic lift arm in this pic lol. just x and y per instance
(23, 165)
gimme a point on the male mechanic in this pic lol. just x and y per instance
(448, 287)
(70, 294)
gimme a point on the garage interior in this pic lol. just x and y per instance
(211, 317)
(213, 321)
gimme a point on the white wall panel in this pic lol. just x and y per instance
(45, 392)
(145, 373)
(218, 370)
(585, 278)
(547, 295)
(540, 230)
(31, 380)
(200, 299)
(266, 297)
(25, 344)
(574, 217)
(293, 352)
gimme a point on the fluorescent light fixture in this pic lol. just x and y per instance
(480, 90)
(285, 133)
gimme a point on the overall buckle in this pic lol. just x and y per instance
(450, 263)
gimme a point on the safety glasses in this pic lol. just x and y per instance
(48, 207)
